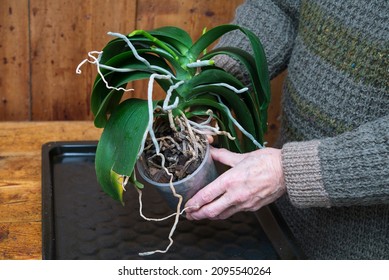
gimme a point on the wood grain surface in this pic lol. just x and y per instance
(14, 61)
(20, 181)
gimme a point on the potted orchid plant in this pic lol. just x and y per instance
(166, 138)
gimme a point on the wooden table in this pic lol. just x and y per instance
(20, 181)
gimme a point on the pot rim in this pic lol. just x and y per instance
(141, 169)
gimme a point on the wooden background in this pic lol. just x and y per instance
(43, 41)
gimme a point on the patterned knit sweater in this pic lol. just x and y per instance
(335, 119)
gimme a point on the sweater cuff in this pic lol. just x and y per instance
(303, 178)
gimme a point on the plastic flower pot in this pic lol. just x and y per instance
(186, 187)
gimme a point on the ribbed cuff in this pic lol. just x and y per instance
(301, 166)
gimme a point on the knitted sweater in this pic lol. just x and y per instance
(335, 119)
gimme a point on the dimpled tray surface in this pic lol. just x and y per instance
(81, 222)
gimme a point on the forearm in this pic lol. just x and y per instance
(349, 169)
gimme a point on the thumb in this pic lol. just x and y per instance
(226, 157)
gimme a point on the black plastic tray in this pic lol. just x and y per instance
(81, 222)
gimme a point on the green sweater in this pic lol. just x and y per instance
(335, 119)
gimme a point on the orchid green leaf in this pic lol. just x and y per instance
(119, 145)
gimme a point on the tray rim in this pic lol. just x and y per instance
(48, 222)
(269, 218)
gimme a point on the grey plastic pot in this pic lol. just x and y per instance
(186, 187)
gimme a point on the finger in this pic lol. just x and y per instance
(256, 203)
(210, 139)
(205, 195)
(211, 210)
(226, 157)
(228, 212)
(214, 198)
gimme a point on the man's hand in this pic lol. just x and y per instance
(255, 180)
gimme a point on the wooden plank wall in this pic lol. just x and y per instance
(14, 60)
(43, 41)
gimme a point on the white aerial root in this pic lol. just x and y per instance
(137, 56)
(205, 129)
(166, 106)
(238, 91)
(153, 219)
(244, 131)
(177, 214)
(151, 109)
(177, 217)
(200, 63)
(96, 61)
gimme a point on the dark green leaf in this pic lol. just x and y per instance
(120, 143)
(113, 97)
(175, 36)
(256, 99)
(259, 57)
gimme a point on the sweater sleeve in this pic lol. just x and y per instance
(276, 26)
(349, 169)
